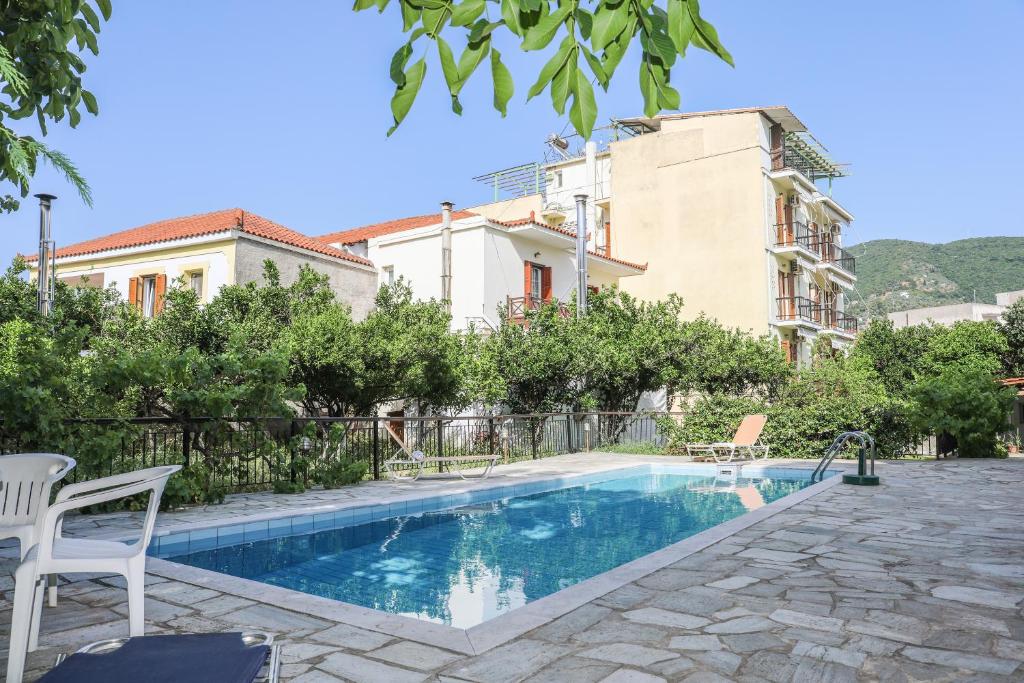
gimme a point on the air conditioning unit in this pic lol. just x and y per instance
(795, 268)
(794, 199)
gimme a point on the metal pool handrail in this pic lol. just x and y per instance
(867, 444)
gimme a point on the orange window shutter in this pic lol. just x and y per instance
(133, 291)
(527, 268)
(780, 215)
(545, 283)
(785, 348)
(160, 289)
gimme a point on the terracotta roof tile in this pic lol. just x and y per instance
(204, 224)
(354, 235)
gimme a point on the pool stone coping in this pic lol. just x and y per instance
(494, 632)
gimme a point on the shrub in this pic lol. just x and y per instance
(966, 403)
(707, 420)
(341, 472)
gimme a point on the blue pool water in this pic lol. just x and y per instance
(462, 566)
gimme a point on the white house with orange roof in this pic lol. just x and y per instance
(207, 252)
(509, 265)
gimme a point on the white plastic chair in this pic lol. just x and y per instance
(27, 479)
(54, 554)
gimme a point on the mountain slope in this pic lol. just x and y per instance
(895, 275)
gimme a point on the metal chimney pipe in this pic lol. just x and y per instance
(581, 255)
(446, 254)
(44, 296)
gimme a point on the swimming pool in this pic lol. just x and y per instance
(462, 560)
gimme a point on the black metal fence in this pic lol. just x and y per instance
(253, 454)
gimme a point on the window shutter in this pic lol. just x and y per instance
(160, 289)
(545, 283)
(526, 278)
(780, 218)
(785, 349)
(133, 291)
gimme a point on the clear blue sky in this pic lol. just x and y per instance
(282, 108)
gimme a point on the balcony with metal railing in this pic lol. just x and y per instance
(798, 309)
(834, 255)
(796, 235)
(843, 323)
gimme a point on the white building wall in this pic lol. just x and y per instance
(487, 268)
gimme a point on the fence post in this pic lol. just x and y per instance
(293, 476)
(568, 432)
(186, 445)
(376, 449)
(490, 434)
(533, 437)
(440, 443)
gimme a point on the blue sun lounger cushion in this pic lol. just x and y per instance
(197, 658)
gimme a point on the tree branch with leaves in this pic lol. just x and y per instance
(592, 39)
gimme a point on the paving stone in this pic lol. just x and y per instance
(742, 625)
(961, 660)
(180, 593)
(576, 669)
(616, 631)
(751, 642)
(632, 676)
(222, 604)
(978, 596)
(360, 670)
(292, 652)
(343, 635)
(274, 619)
(774, 555)
(507, 663)
(578, 620)
(415, 655)
(804, 620)
(695, 643)
(706, 677)
(825, 653)
(719, 660)
(663, 617)
(1009, 649)
(733, 582)
(628, 653)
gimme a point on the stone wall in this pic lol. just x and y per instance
(353, 284)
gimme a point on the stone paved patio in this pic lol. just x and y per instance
(920, 579)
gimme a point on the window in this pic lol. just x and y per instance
(149, 296)
(387, 275)
(146, 293)
(195, 282)
(536, 282)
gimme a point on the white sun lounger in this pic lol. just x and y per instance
(419, 461)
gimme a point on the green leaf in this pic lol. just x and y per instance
(585, 20)
(583, 113)
(410, 15)
(551, 68)
(360, 5)
(434, 19)
(382, 5)
(538, 37)
(483, 28)
(616, 50)
(596, 67)
(503, 86)
(510, 15)
(451, 73)
(668, 97)
(398, 62)
(560, 86)
(466, 13)
(663, 47)
(470, 59)
(90, 16)
(680, 26)
(90, 102)
(649, 89)
(405, 94)
(609, 22)
(708, 35)
(105, 8)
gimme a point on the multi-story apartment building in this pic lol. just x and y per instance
(497, 267)
(206, 252)
(953, 313)
(727, 208)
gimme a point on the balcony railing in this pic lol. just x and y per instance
(844, 323)
(798, 308)
(795, 234)
(839, 257)
(518, 306)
